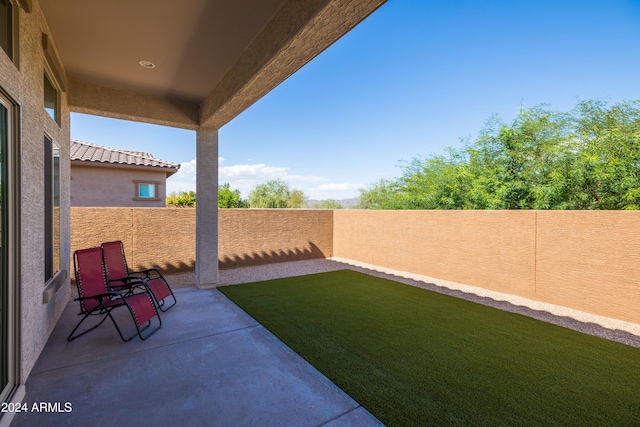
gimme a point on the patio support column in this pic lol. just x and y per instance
(207, 207)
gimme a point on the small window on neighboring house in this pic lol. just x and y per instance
(146, 191)
(6, 27)
(50, 98)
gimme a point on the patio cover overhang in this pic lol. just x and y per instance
(213, 59)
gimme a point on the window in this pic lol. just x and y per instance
(6, 27)
(51, 208)
(146, 190)
(51, 98)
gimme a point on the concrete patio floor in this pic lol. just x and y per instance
(209, 364)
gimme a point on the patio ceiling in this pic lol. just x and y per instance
(213, 58)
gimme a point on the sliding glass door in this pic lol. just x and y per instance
(4, 294)
(9, 319)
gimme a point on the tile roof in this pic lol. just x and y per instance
(95, 153)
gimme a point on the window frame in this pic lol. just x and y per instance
(48, 76)
(52, 195)
(151, 190)
(14, 33)
(138, 198)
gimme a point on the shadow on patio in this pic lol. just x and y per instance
(210, 364)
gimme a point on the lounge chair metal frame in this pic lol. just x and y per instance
(115, 263)
(108, 300)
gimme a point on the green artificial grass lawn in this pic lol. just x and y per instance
(416, 357)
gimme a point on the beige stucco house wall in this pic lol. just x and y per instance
(109, 177)
(34, 304)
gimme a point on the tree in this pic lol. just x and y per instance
(327, 204)
(228, 198)
(383, 194)
(587, 158)
(606, 173)
(276, 194)
(182, 199)
(297, 199)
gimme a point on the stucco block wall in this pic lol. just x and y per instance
(585, 260)
(166, 237)
(590, 260)
(162, 238)
(113, 187)
(491, 249)
(174, 249)
(262, 236)
(92, 226)
(23, 81)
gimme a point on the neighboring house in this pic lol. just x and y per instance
(102, 176)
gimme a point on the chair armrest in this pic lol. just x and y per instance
(99, 296)
(128, 282)
(126, 279)
(147, 272)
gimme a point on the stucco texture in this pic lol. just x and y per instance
(161, 238)
(491, 249)
(590, 260)
(114, 187)
(23, 79)
(262, 236)
(165, 238)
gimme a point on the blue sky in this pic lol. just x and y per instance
(413, 78)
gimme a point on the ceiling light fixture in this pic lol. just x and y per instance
(147, 64)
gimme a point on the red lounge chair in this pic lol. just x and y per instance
(118, 275)
(96, 299)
